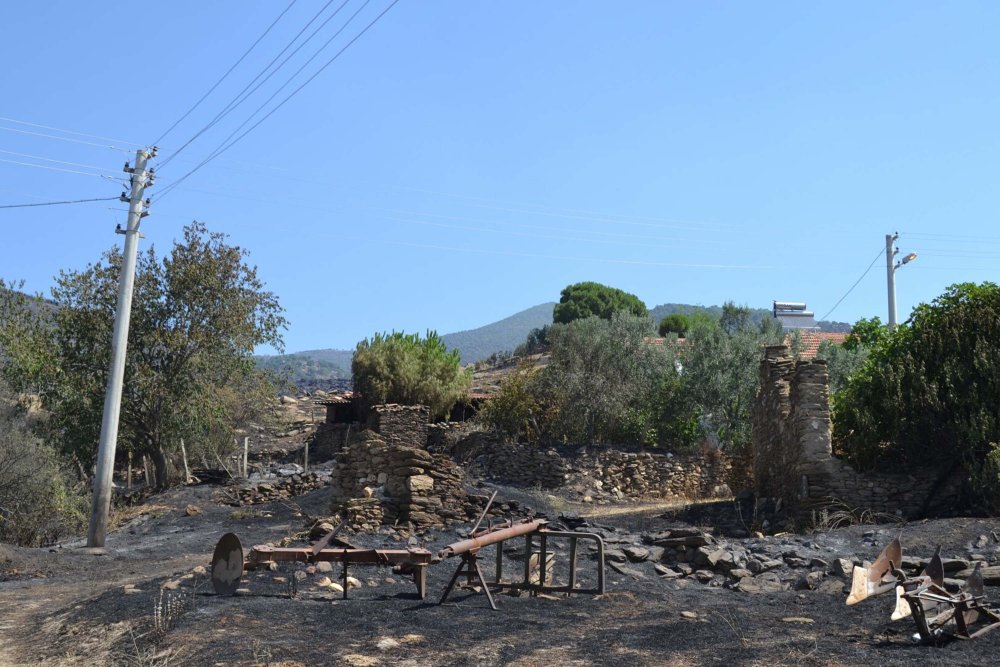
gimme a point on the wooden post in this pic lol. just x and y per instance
(184, 456)
(246, 449)
(305, 459)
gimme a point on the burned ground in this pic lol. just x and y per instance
(68, 606)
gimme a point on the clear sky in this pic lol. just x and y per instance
(464, 160)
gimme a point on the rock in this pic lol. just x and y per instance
(300, 575)
(722, 559)
(320, 530)
(636, 554)
(324, 582)
(797, 619)
(324, 566)
(794, 561)
(832, 587)
(615, 556)
(767, 583)
(665, 572)
(842, 567)
(355, 660)
(335, 587)
(689, 614)
(704, 576)
(386, 643)
(192, 510)
(353, 583)
(739, 573)
(809, 581)
(200, 570)
(170, 585)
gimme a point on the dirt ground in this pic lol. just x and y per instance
(69, 606)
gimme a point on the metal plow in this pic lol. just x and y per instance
(938, 610)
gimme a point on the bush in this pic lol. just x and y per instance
(927, 394)
(588, 299)
(676, 324)
(37, 506)
(410, 370)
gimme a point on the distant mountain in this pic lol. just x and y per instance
(327, 367)
(508, 333)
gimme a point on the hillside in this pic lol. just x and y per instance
(508, 333)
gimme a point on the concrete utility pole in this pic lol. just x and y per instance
(890, 271)
(112, 398)
(890, 275)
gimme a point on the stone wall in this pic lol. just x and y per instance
(793, 454)
(401, 424)
(600, 470)
(412, 484)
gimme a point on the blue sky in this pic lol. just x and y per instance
(464, 160)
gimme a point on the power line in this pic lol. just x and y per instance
(240, 97)
(68, 171)
(225, 147)
(55, 203)
(74, 132)
(228, 72)
(880, 252)
(74, 141)
(48, 159)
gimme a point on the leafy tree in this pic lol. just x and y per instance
(841, 362)
(721, 372)
(866, 333)
(517, 410)
(676, 324)
(601, 378)
(582, 300)
(536, 342)
(197, 316)
(734, 318)
(927, 394)
(410, 370)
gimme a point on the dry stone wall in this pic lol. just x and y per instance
(412, 484)
(603, 470)
(793, 454)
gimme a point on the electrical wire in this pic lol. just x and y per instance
(881, 250)
(228, 72)
(74, 141)
(68, 171)
(48, 159)
(224, 148)
(65, 131)
(243, 95)
(55, 203)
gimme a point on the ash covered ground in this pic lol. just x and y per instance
(775, 600)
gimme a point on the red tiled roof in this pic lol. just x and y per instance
(811, 341)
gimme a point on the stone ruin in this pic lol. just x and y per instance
(793, 451)
(387, 468)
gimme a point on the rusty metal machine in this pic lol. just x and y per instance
(937, 609)
(229, 563)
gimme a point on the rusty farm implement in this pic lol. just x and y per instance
(938, 609)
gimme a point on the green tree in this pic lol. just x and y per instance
(601, 379)
(410, 370)
(734, 318)
(841, 362)
(866, 333)
(582, 300)
(927, 394)
(676, 324)
(197, 316)
(720, 368)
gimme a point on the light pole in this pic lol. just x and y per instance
(890, 272)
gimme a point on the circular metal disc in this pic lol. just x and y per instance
(227, 565)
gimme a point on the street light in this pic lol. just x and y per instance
(890, 270)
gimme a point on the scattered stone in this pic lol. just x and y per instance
(704, 576)
(192, 510)
(200, 570)
(636, 554)
(666, 572)
(797, 619)
(767, 583)
(386, 643)
(324, 566)
(689, 614)
(842, 567)
(170, 585)
(353, 583)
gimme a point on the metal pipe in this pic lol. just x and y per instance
(476, 543)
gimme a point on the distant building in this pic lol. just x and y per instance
(794, 315)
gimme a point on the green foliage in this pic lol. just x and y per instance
(721, 372)
(516, 410)
(301, 367)
(734, 318)
(601, 380)
(196, 318)
(536, 342)
(927, 394)
(37, 505)
(410, 370)
(866, 333)
(841, 362)
(583, 300)
(674, 324)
